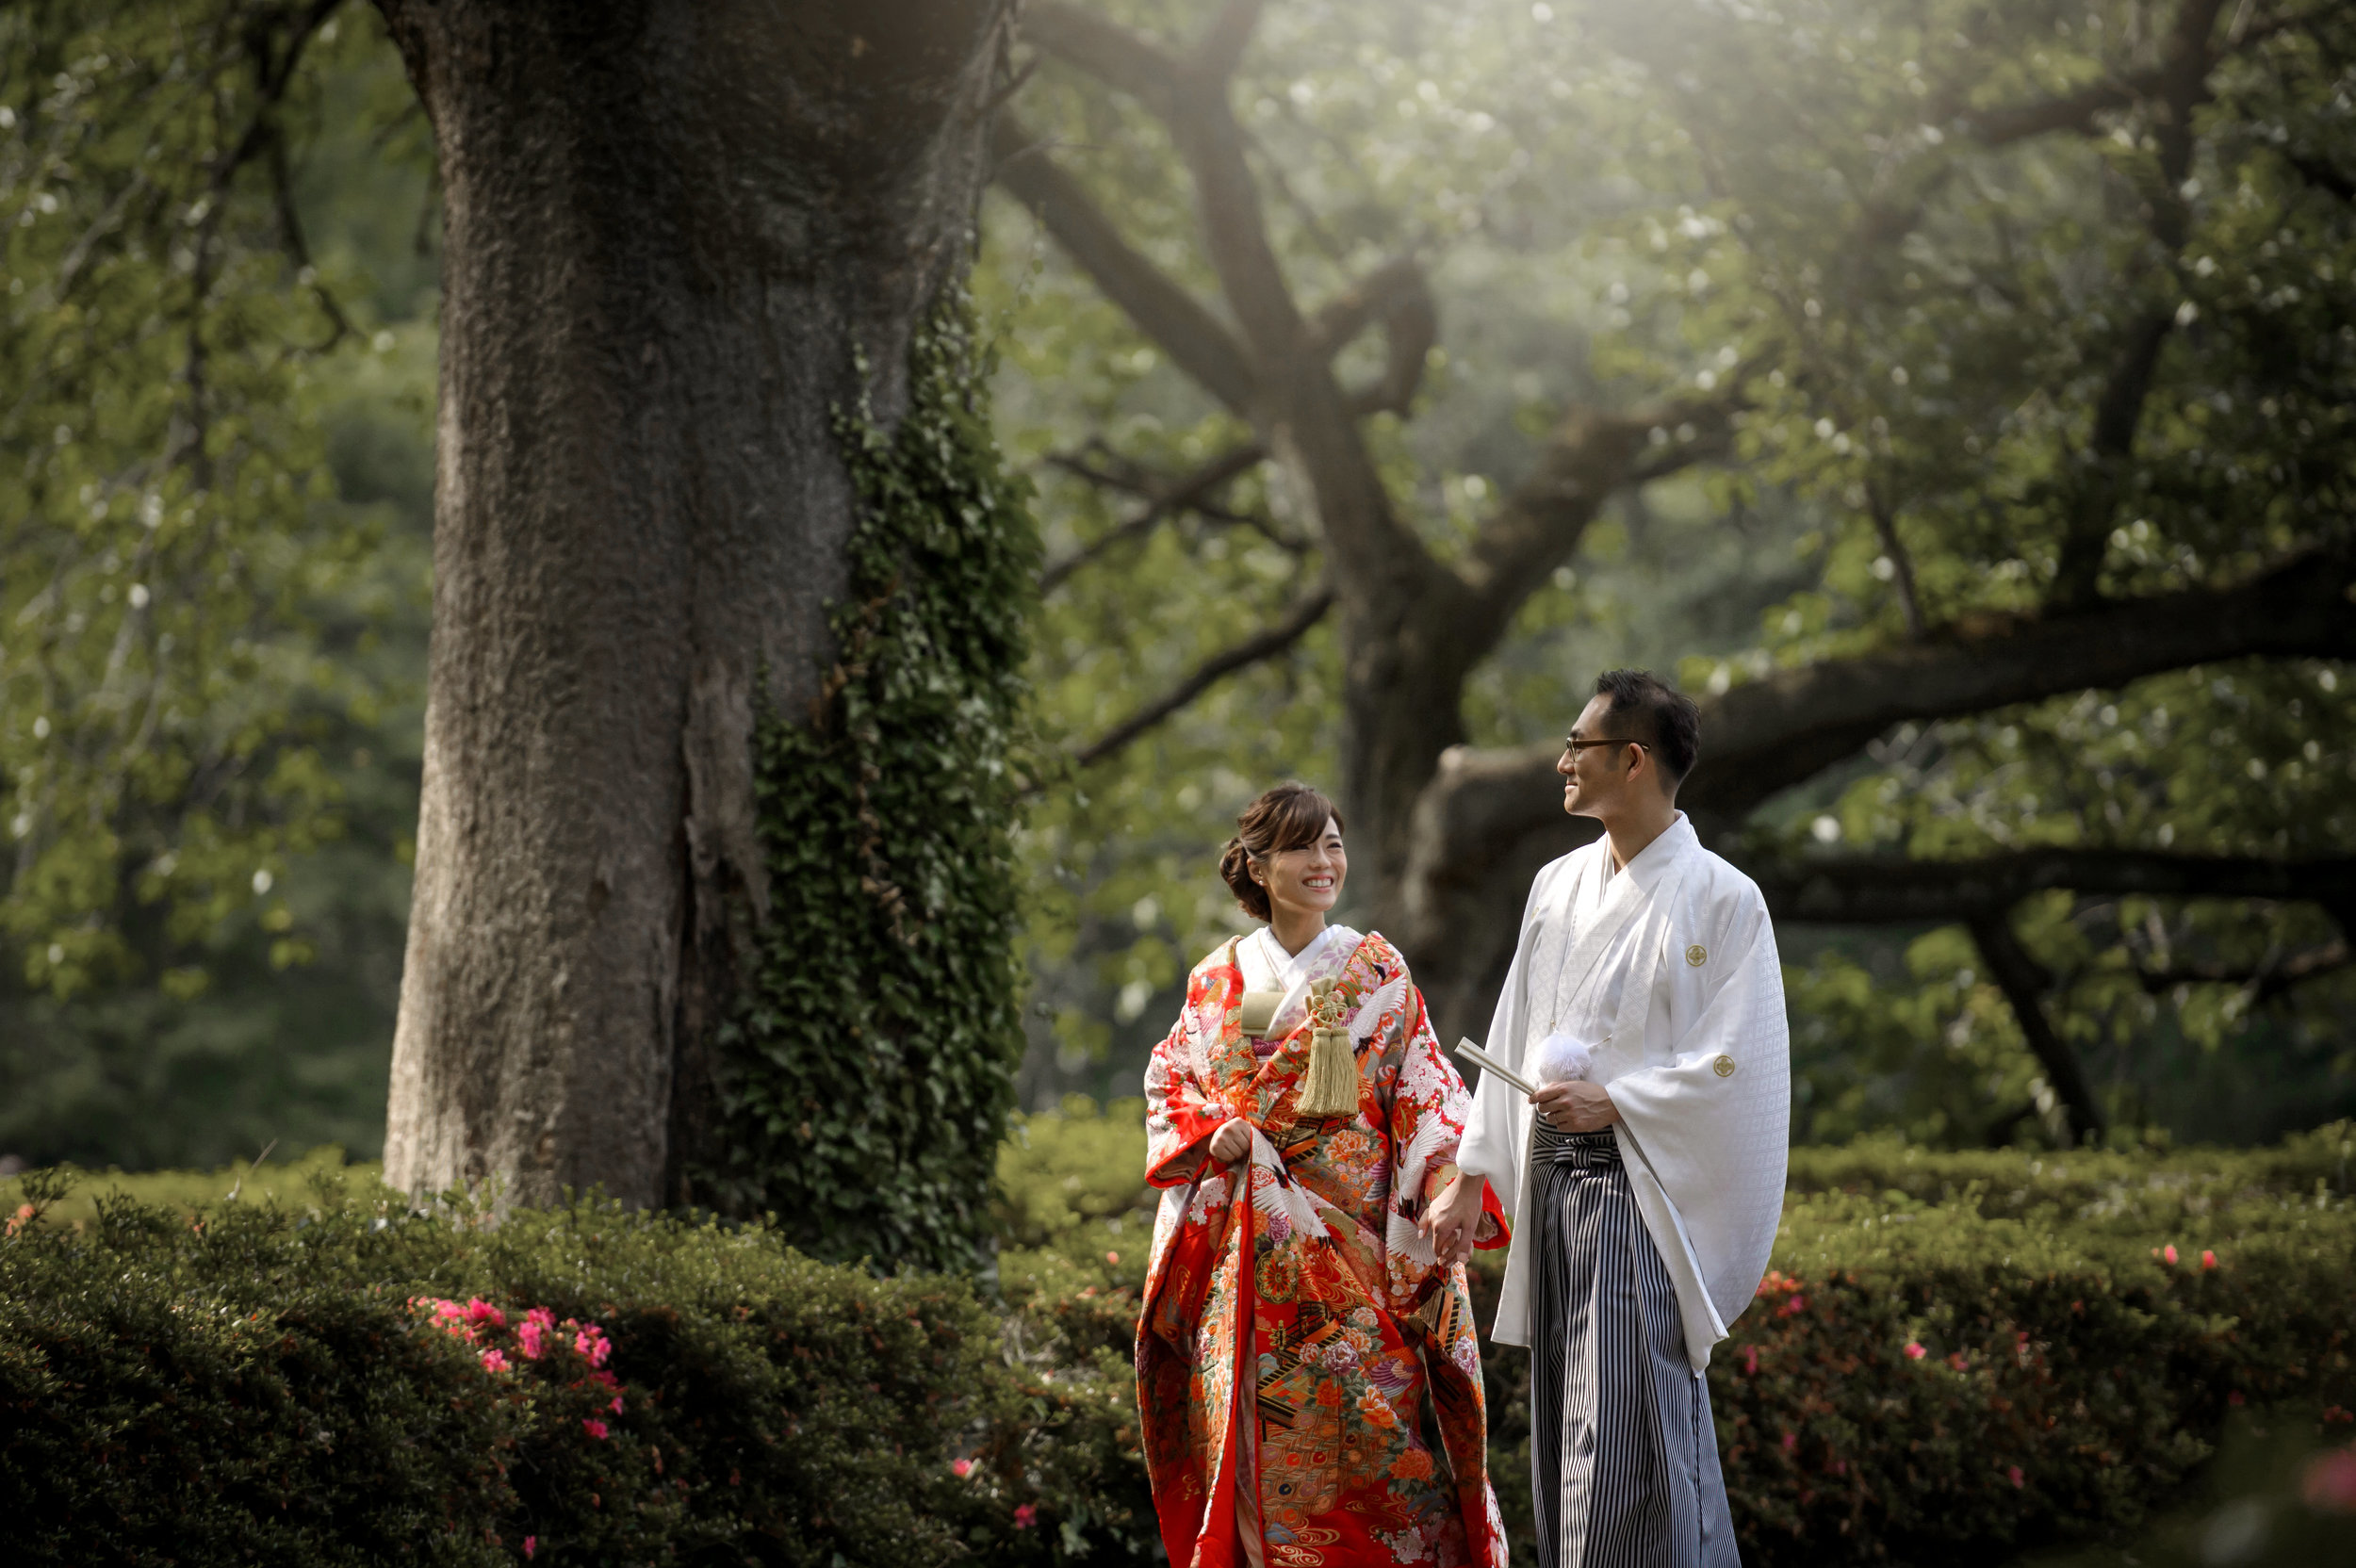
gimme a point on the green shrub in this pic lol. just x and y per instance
(2055, 1335)
(261, 1386)
(1958, 1356)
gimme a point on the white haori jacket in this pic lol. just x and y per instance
(1673, 959)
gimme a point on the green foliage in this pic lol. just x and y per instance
(164, 524)
(262, 1385)
(220, 1019)
(2116, 1394)
(250, 1380)
(870, 1070)
(1816, 208)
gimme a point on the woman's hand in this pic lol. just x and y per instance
(1232, 1143)
(1452, 1221)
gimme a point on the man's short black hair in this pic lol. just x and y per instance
(1663, 718)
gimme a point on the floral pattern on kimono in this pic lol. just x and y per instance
(1293, 1289)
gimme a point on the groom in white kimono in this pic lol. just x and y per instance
(1646, 1176)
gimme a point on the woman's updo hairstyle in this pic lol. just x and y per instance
(1290, 816)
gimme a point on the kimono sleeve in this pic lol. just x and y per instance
(1427, 1106)
(1493, 1135)
(1714, 1122)
(1179, 1115)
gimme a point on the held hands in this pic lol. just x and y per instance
(1577, 1107)
(1454, 1219)
(1232, 1143)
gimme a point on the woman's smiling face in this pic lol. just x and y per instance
(1308, 879)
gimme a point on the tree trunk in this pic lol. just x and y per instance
(674, 233)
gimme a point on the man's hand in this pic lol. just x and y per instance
(1232, 1143)
(1452, 1221)
(1576, 1107)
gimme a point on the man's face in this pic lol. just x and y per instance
(1596, 777)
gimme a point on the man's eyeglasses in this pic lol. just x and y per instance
(1573, 744)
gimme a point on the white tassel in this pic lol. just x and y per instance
(1562, 1060)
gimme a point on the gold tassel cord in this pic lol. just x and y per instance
(1331, 1085)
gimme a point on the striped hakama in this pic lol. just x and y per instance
(1624, 1460)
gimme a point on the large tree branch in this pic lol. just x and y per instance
(2264, 981)
(1593, 456)
(2024, 982)
(1189, 492)
(1192, 102)
(1254, 649)
(1195, 340)
(1762, 738)
(1855, 891)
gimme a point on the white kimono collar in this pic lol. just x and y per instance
(1654, 858)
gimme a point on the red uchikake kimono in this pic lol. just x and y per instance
(1356, 1351)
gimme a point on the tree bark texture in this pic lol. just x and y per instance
(674, 231)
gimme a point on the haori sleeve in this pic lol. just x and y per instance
(1428, 1108)
(1178, 1114)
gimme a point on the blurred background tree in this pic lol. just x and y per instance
(1955, 395)
(1797, 340)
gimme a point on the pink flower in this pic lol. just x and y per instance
(449, 1309)
(2170, 1254)
(541, 1316)
(2208, 1259)
(617, 1406)
(528, 1339)
(1915, 1351)
(2014, 1475)
(605, 1379)
(1025, 1516)
(2330, 1484)
(593, 1427)
(1793, 1307)
(1112, 1257)
(1750, 1361)
(960, 1467)
(1957, 1360)
(494, 1362)
(531, 1544)
(480, 1311)
(1790, 1442)
(592, 1342)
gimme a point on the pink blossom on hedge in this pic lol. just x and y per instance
(480, 1311)
(541, 1316)
(494, 1362)
(1025, 1516)
(531, 1544)
(593, 1427)
(2168, 1252)
(617, 1406)
(449, 1309)
(1750, 1361)
(1915, 1351)
(2208, 1259)
(2014, 1475)
(960, 1467)
(591, 1342)
(1790, 1442)
(1793, 1307)
(2330, 1484)
(527, 1340)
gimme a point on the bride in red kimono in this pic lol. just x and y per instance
(1307, 1373)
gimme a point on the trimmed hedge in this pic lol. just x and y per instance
(1958, 1356)
(257, 1386)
